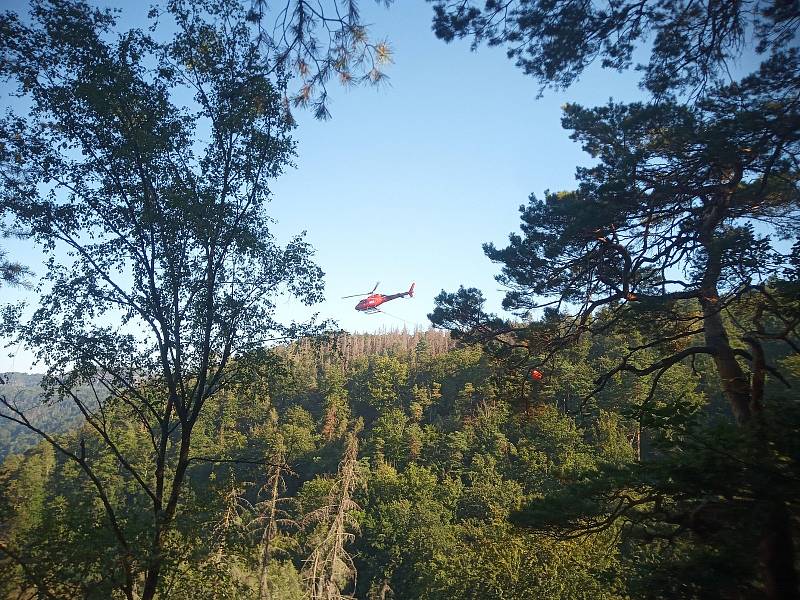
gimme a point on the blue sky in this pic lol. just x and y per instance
(406, 182)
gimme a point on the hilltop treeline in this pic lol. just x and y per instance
(400, 466)
(25, 391)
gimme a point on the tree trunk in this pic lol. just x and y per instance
(777, 555)
(735, 384)
(777, 546)
(151, 579)
(163, 519)
(266, 540)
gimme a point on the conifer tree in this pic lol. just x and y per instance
(680, 229)
(690, 45)
(329, 568)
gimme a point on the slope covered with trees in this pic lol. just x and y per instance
(631, 432)
(469, 480)
(25, 391)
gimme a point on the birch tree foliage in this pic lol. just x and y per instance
(142, 167)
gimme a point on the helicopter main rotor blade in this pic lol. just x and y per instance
(364, 294)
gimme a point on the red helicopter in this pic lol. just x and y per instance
(372, 301)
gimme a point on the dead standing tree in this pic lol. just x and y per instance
(329, 568)
(270, 518)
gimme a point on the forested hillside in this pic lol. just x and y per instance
(400, 466)
(54, 417)
(626, 428)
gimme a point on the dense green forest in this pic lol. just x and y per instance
(467, 479)
(627, 428)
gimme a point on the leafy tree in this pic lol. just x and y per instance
(682, 520)
(496, 561)
(22, 502)
(337, 410)
(146, 165)
(11, 272)
(388, 438)
(488, 496)
(382, 383)
(407, 524)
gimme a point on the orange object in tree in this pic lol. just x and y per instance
(536, 375)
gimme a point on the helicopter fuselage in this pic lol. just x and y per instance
(373, 301)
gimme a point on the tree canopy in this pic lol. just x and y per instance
(691, 45)
(684, 229)
(629, 431)
(142, 168)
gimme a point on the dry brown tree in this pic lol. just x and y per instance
(329, 567)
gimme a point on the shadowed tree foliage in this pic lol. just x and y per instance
(316, 42)
(691, 44)
(476, 495)
(686, 204)
(11, 272)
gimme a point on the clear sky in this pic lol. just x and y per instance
(406, 182)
